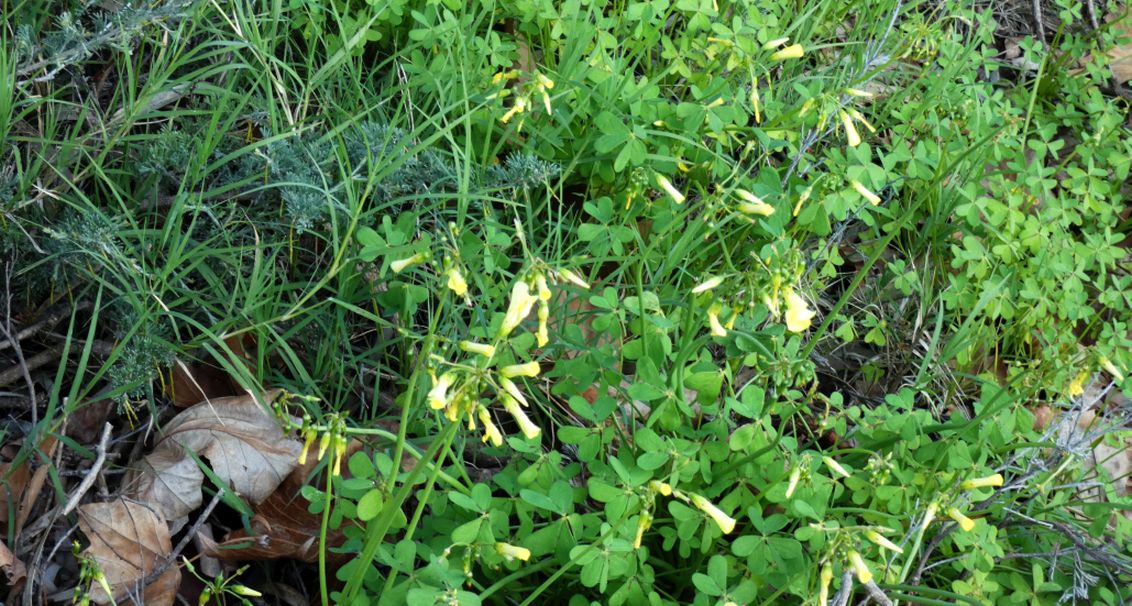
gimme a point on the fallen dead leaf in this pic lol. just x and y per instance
(1120, 57)
(242, 441)
(129, 541)
(283, 526)
(35, 484)
(13, 569)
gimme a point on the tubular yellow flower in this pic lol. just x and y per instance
(663, 488)
(544, 81)
(1111, 368)
(714, 104)
(963, 521)
(438, 395)
(323, 444)
(513, 390)
(717, 329)
(865, 193)
(794, 51)
(643, 524)
(519, 107)
(546, 101)
(725, 522)
(528, 369)
(798, 313)
(856, 92)
(309, 438)
(482, 349)
(456, 281)
(802, 200)
(512, 552)
(1077, 385)
(667, 186)
(826, 578)
(541, 335)
(856, 115)
(792, 484)
(864, 575)
(490, 431)
(987, 482)
(400, 265)
(755, 104)
(752, 204)
(521, 303)
(777, 42)
(707, 285)
(880, 539)
(529, 429)
(542, 288)
(852, 137)
(929, 515)
(573, 278)
(339, 454)
(835, 467)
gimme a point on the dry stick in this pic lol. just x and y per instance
(88, 479)
(846, 590)
(7, 330)
(54, 314)
(24, 368)
(877, 594)
(1038, 21)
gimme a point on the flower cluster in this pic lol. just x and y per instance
(539, 86)
(656, 488)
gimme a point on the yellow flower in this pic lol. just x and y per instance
(513, 390)
(802, 199)
(856, 92)
(856, 115)
(519, 107)
(573, 278)
(707, 285)
(546, 101)
(323, 444)
(879, 539)
(512, 552)
(865, 193)
(864, 575)
(490, 431)
(755, 105)
(339, 453)
(792, 484)
(1077, 385)
(482, 349)
(826, 579)
(929, 515)
(529, 369)
(964, 522)
(753, 205)
(456, 281)
(987, 482)
(544, 81)
(309, 438)
(777, 42)
(1111, 368)
(521, 303)
(798, 313)
(438, 395)
(835, 467)
(529, 429)
(725, 522)
(400, 265)
(717, 329)
(542, 288)
(659, 487)
(851, 135)
(794, 51)
(667, 186)
(643, 524)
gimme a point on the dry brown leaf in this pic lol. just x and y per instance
(242, 441)
(35, 484)
(128, 541)
(192, 383)
(1120, 57)
(168, 481)
(13, 569)
(13, 481)
(283, 527)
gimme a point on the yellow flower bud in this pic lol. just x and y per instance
(826, 578)
(835, 467)
(856, 92)
(856, 115)
(865, 193)
(967, 524)
(1111, 368)
(482, 349)
(667, 186)
(643, 524)
(777, 42)
(663, 488)
(512, 552)
(881, 540)
(541, 335)
(794, 51)
(725, 522)
(529, 369)
(753, 205)
(309, 438)
(245, 591)
(573, 278)
(792, 483)
(400, 265)
(541, 287)
(490, 431)
(987, 482)
(528, 427)
(802, 199)
(544, 81)
(546, 101)
(707, 285)
(852, 137)
(513, 390)
(864, 575)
